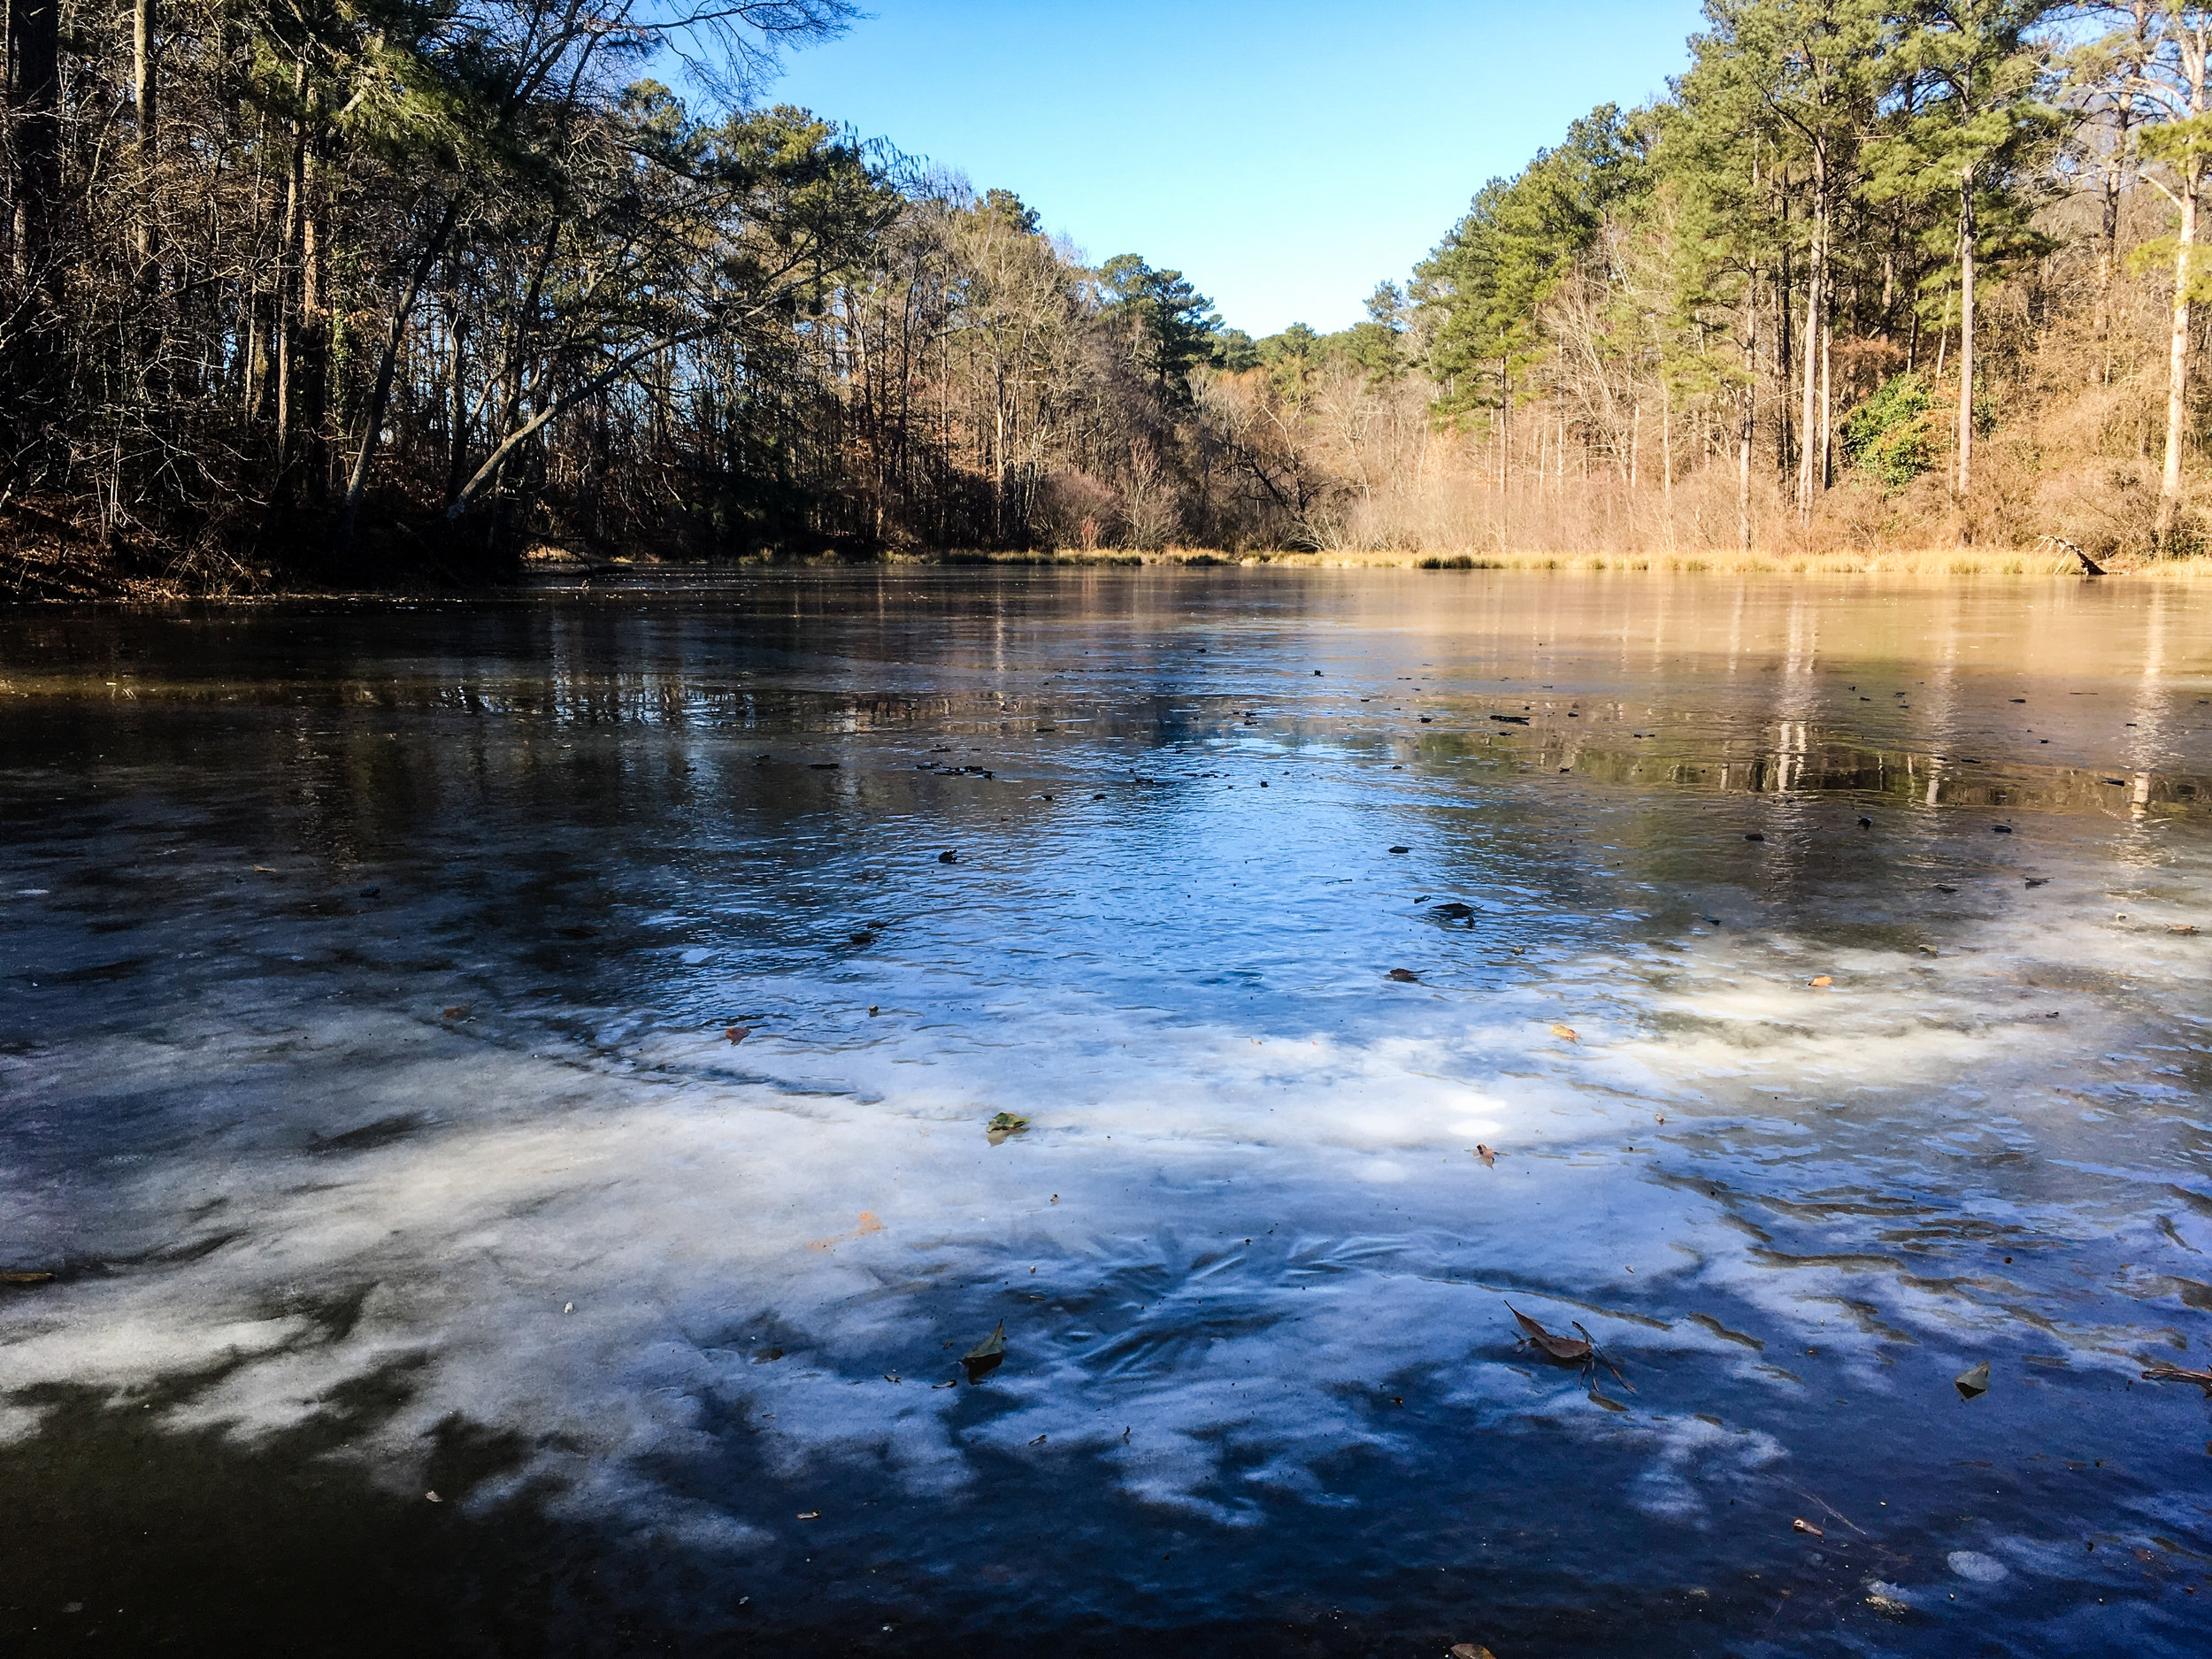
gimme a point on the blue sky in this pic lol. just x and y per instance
(1286, 156)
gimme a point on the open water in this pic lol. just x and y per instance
(371, 1126)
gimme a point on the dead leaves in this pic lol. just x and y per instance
(1565, 1033)
(1403, 976)
(1822, 982)
(1003, 1125)
(1800, 1524)
(869, 1223)
(1582, 1353)
(25, 1278)
(1489, 1159)
(1471, 1649)
(986, 1355)
(1565, 1349)
(738, 1033)
(2175, 1373)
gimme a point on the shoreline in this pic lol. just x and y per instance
(27, 581)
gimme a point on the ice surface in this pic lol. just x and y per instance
(290, 1146)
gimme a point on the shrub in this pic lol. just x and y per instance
(1892, 437)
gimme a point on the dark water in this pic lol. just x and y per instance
(365, 1090)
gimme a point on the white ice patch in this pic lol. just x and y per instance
(1244, 1241)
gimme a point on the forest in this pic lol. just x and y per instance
(356, 291)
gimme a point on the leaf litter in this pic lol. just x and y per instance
(1582, 1353)
(986, 1355)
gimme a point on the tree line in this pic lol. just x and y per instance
(1859, 239)
(336, 288)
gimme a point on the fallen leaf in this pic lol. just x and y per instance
(984, 1359)
(2175, 1373)
(1566, 1349)
(738, 1033)
(1823, 981)
(1402, 850)
(461, 1012)
(810, 1514)
(1800, 1524)
(2179, 927)
(1566, 1031)
(24, 1279)
(934, 1386)
(1039, 1440)
(1403, 976)
(1489, 1158)
(1470, 1650)
(433, 1497)
(1003, 1125)
(1972, 1383)
(868, 1224)
(768, 1357)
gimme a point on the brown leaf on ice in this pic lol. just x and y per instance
(1566, 1349)
(1823, 981)
(1471, 1649)
(868, 1224)
(1800, 1524)
(2175, 1373)
(1488, 1158)
(1566, 1031)
(985, 1357)
(1403, 976)
(462, 1012)
(738, 1033)
(24, 1279)
(2179, 927)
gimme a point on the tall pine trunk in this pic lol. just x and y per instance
(2178, 359)
(1966, 332)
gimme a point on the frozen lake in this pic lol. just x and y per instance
(1796, 991)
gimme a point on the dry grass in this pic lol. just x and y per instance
(1932, 561)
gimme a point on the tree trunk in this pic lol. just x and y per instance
(1827, 404)
(2109, 241)
(287, 263)
(313, 349)
(1815, 304)
(1747, 430)
(145, 139)
(34, 106)
(1966, 332)
(2177, 362)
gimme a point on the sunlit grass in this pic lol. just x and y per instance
(1929, 561)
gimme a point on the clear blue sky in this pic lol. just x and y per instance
(1286, 156)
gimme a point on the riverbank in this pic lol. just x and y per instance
(53, 569)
